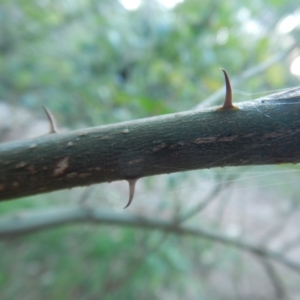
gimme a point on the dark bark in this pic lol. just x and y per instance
(264, 131)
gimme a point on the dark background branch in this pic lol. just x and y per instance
(30, 222)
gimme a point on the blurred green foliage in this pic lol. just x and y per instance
(93, 62)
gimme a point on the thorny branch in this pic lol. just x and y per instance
(265, 131)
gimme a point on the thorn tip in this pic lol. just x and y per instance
(132, 183)
(50, 119)
(228, 96)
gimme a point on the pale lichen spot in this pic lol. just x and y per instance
(61, 166)
(159, 147)
(125, 131)
(205, 140)
(227, 138)
(72, 175)
(274, 134)
(21, 164)
(135, 161)
(84, 175)
(32, 146)
(105, 137)
(177, 145)
(70, 144)
(94, 169)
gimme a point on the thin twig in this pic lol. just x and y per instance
(279, 226)
(275, 279)
(205, 202)
(291, 245)
(220, 187)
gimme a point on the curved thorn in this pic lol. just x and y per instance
(228, 98)
(132, 183)
(51, 120)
